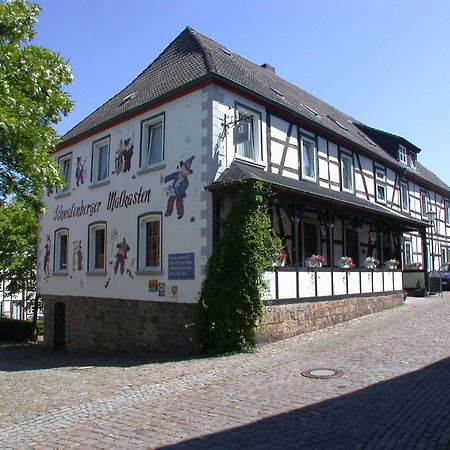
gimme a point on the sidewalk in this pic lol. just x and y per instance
(394, 392)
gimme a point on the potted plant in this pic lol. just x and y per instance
(371, 263)
(419, 291)
(346, 262)
(314, 261)
(391, 264)
(414, 266)
(281, 259)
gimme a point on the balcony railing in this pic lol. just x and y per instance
(301, 284)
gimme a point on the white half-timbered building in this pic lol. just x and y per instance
(123, 245)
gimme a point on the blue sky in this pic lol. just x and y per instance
(386, 63)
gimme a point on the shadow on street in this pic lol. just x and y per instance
(408, 412)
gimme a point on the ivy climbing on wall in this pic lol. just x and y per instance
(230, 301)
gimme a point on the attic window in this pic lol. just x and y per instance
(367, 139)
(227, 52)
(277, 91)
(127, 98)
(312, 111)
(339, 124)
(402, 154)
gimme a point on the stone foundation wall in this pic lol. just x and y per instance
(99, 325)
(284, 321)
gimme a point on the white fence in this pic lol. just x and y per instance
(291, 283)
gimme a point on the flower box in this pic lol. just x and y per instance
(313, 264)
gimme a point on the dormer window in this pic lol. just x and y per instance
(402, 154)
(413, 160)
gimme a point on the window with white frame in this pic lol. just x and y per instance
(150, 242)
(407, 255)
(380, 184)
(100, 160)
(61, 251)
(65, 169)
(97, 247)
(308, 158)
(152, 141)
(247, 133)
(404, 196)
(423, 203)
(402, 154)
(413, 160)
(347, 172)
(447, 212)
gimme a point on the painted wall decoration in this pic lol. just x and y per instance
(122, 161)
(153, 285)
(121, 256)
(80, 171)
(181, 266)
(77, 258)
(161, 289)
(177, 190)
(47, 253)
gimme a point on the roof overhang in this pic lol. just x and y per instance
(313, 194)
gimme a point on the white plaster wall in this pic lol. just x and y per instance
(182, 141)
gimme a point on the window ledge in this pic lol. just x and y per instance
(96, 274)
(250, 162)
(152, 168)
(99, 183)
(60, 274)
(149, 272)
(62, 194)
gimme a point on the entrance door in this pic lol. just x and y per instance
(59, 327)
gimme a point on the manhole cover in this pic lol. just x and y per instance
(322, 374)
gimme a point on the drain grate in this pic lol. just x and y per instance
(322, 374)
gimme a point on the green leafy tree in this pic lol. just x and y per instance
(31, 103)
(230, 302)
(18, 228)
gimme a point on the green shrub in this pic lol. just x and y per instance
(12, 330)
(230, 302)
(40, 328)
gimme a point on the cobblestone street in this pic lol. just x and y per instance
(394, 392)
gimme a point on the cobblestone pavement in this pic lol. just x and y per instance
(394, 392)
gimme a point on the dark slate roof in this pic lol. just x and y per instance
(239, 171)
(192, 57)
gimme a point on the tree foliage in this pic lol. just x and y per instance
(19, 229)
(230, 302)
(31, 102)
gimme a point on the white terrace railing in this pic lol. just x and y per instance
(287, 283)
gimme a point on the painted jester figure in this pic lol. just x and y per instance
(177, 191)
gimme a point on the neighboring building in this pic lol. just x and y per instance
(123, 247)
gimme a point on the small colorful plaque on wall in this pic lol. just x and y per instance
(153, 285)
(181, 266)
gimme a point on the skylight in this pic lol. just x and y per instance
(312, 111)
(367, 139)
(277, 91)
(339, 124)
(127, 98)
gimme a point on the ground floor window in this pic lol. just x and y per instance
(97, 247)
(61, 245)
(150, 242)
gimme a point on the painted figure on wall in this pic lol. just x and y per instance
(121, 256)
(48, 249)
(80, 171)
(77, 256)
(177, 190)
(124, 154)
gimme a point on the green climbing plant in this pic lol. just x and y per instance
(230, 301)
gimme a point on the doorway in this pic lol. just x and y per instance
(59, 327)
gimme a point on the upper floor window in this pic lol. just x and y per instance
(402, 154)
(152, 141)
(404, 196)
(100, 160)
(380, 184)
(447, 212)
(61, 250)
(150, 242)
(413, 160)
(65, 169)
(97, 247)
(347, 172)
(423, 203)
(308, 158)
(247, 133)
